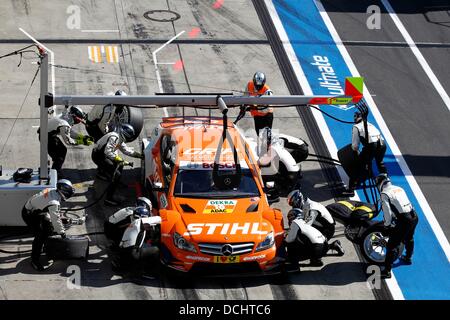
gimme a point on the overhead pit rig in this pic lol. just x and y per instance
(13, 195)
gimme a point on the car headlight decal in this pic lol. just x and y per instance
(181, 243)
(268, 242)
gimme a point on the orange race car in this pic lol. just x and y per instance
(208, 190)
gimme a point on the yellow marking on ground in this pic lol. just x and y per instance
(108, 54)
(100, 54)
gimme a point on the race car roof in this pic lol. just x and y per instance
(197, 139)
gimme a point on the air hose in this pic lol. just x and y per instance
(97, 200)
(324, 158)
(226, 180)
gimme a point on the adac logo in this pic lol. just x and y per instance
(220, 206)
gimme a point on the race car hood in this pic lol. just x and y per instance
(231, 220)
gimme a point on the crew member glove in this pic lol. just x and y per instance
(138, 155)
(84, 140)
(88, 140)
(118, 159)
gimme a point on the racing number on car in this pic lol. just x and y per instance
(223, 259)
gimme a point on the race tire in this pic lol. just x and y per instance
(375, 258)
(135, 118)
(95, 132)
(71, 247)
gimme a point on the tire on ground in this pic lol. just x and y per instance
(71, 247)
(376, 228)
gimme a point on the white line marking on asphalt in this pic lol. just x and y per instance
(52, 57)
(434, 80)
(155, 62)
(392, 284)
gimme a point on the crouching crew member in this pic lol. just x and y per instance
(42, 214)
(401, 218)
(110, 165)
(129, 228)
(374, 147)
(305, 241)
(314, 211)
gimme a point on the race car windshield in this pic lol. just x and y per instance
(199, 183)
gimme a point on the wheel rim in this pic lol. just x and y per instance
(375, 246)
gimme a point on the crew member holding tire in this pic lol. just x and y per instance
(263, 116)
(110, 165)
(42, 214)
(59, 126)
(401, 218)
(374, 147)
(303, 240)
(103, 119)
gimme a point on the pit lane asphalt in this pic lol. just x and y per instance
(413, 110)
(208, 67)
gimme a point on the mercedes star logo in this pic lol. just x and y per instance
(227, 181)
(227, 250)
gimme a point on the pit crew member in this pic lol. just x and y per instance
(42, 214)
(303, 240)
(110, 165)
(401, 218)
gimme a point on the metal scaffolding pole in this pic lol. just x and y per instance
(43, 168)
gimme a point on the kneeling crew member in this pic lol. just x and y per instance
(401, 218)
(303, 238)
(110, 165)
(42, 213)
(60, 126)
(374, 147)
(314, 211)
(117, 223)
(263, 116)
(129, 228)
